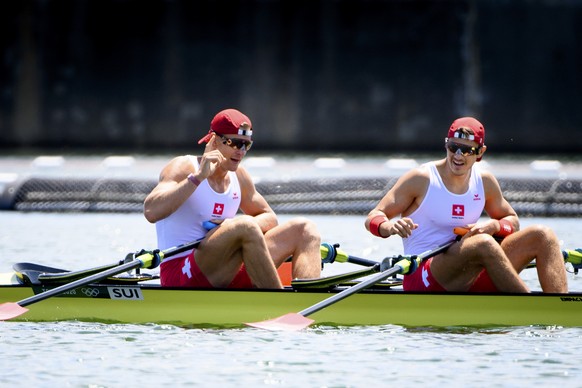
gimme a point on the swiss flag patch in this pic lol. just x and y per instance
(458, 210)
(218, 209)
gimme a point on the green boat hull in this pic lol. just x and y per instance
(148, 303)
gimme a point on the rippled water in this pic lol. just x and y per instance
(79, 354)
(91, 354)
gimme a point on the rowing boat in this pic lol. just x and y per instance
(102, 294)
(379, 305)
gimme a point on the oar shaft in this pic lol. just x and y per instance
(180, 248)
(330, 253)
(144, 260)
(81, 282)
(360, 261)
(353, 289)
(399, 267)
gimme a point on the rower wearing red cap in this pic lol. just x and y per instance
(427, 203)
(200, 197)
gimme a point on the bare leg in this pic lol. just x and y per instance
(237, 241)
(458, 268)
(300, 239)
(541, 243)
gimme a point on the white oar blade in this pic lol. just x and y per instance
(287, 322)
(11, 310)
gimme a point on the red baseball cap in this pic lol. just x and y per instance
(469, 123)
(229, 122)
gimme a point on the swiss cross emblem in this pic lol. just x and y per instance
(218, 209)
(458, 210)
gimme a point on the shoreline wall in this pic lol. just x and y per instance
(312, 75)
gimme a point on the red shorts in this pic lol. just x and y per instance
(422, 280)
(184, 272)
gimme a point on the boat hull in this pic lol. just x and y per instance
(232, 308)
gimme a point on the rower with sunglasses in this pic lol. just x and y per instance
(427, 203)
(201, 197)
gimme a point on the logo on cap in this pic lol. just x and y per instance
(474, 130)
(229, 122)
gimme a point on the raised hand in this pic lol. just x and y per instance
(211, 159)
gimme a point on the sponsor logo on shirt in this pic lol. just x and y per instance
(235, 195)
(218, 209)
(476, 197)
(458, 211)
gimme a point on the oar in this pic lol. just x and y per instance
(144, 260)
(331, 253)
(298, 321)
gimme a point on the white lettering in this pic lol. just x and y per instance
(125, 293)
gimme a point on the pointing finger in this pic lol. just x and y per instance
(210, 146)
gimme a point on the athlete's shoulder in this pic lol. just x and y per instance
(420, 173)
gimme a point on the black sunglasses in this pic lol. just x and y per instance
(235, 143)
(466, 150)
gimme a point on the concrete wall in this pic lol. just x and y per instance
(312, 75)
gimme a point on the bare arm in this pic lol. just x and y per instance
(174, 188)
(171, 191)
(496, 207)
(401, 200)
(254, 204)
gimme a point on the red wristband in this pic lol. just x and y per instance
(505, 228)
(375, 225)
(193, 179)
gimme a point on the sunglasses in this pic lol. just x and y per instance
(465, 150)
(237, 144)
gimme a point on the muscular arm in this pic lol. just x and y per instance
(174, 188)
(496, 206)
(253, 203)
(401, 200)
(171, 191)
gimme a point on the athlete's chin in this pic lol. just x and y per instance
(233, 164)
(459, 167)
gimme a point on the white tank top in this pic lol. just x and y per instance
(205, 204)
(441, 211)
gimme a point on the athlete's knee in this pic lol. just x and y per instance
(305, 228)
(537, 237)
(481, 247)
(482, 241)
(246, 227)
(540, 234)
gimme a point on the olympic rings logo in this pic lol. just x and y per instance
(90, 292)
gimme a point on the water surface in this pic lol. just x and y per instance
(92, 355)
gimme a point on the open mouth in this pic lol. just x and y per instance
(458, 162)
